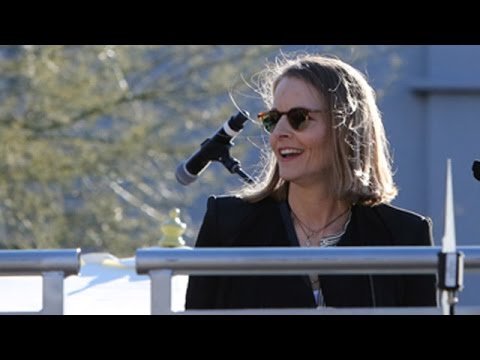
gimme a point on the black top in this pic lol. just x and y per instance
(230, 221)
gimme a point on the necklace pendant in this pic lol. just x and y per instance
(308, 242)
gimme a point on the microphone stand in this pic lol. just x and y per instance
(451, 261)
(450, 268)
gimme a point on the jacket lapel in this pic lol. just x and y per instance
(270, 225)
(366, 228)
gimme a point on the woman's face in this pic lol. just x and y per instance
(304, 155)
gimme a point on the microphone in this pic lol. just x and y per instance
(476, 169)
(212, 149)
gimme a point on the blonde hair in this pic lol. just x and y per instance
(361, 160)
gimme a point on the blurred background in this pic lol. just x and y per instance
(91, 135)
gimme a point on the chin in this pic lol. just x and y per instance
(288, 176)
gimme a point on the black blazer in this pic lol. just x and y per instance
(230, 221)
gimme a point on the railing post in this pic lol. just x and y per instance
(52, 265)
(161, 288)
(52, 293)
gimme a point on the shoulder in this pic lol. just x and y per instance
(400, 215)
(226, 201)
(233, 204)
(407, 227)
(232, 211)
(227, 217)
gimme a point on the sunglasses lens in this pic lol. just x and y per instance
(297, 118)
(269, 120)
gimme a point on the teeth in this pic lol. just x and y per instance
(286, 152)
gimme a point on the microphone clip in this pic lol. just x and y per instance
(220, 151)
(215, 148)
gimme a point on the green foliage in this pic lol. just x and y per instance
(90, 137)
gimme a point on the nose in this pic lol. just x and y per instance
(283, 128)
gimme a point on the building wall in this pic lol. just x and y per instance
(432, 113)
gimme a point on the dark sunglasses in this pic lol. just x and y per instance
(297, 118)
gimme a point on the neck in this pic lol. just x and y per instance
(314, 205)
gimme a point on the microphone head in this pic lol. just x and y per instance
(183, 176)
(237, 122)
(476, 169)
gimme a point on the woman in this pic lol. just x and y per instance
(328, 183)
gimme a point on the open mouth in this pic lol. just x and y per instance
(290, 153)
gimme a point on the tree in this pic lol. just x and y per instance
(90, 137)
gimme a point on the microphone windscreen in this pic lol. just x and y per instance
(183, 176)
(476, 169)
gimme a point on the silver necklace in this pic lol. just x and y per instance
(326, 241)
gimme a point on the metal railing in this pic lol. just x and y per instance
(52, 265)
(162, 264)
